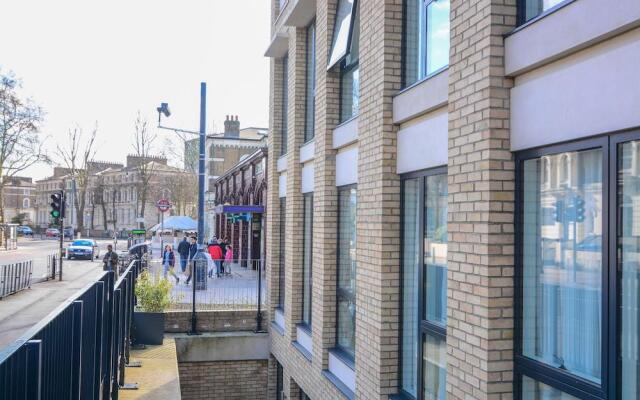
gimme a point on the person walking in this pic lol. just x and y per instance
(183, 251)
(168, 263)
(110, 260)
(215, 251)
(228, 258)
(191, 255)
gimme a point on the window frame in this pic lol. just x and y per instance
(341, 293)
(425, 326)
(310, 97)
(521, 7)
(284, 148)
(282, 254)
(610, 385)
(423, 62)
(307, 324)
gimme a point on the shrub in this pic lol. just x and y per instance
(152, 296)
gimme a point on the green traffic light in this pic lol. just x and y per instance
(55, 213)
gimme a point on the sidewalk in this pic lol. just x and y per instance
(21, 311)
(158, 377)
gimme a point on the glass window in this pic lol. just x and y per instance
(310, 104)
(532, 8)
(307, 266)
(435, 249)
(281, 276)
(347, 203)
(434, 367)
(350, 74)
(534, 390)
(285, 103)
(279, 381)
(628, 194)
(410, 275)
(426, 41)
(341, 32)
(424, 290)
(562, 263)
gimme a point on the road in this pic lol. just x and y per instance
(24, 309)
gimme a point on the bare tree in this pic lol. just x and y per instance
(20, 140)
(183, 150)
(184, 192)
(76, 155)
(100, 199)
(143, 142)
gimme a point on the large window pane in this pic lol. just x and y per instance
(629, 267)
(410, 277)
(279, 381)
(534, 390)
(281, 279)
(349, 94)
(434, 368)
(562, 261)
(341, 31)
(437, 35)
(435, 249)
(346, 268)
(310, 103)
(533, 8)
(415, 40)
(285, 103)
(307, 259)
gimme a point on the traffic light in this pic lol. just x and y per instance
(558, 212)
(579, 208)
(57, 205)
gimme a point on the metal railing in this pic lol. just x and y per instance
(53, 265)
(238, 288)
(79, 351)
(15, 277)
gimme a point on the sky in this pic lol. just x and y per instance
(85, 61)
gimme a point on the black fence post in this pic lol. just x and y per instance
(259, 314)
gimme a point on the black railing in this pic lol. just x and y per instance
(15, 277)
(79, 351)
(53, 265)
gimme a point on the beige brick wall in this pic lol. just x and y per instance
(229, 380)
(211, 321)
(481, 193)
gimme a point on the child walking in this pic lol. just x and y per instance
(228, 259)
(168, 262)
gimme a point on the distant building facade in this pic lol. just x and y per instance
(19, 198)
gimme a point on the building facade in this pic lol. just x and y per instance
(243, 185)
(19, 199)
(453, 192)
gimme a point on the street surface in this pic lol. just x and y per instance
(22, 310)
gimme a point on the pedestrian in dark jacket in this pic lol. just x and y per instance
(191, 255)
(183, 250)
(168, 262)
(110, 260)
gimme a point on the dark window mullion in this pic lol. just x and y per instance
(421, 289)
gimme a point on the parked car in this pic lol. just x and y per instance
(25, 230)
(68, 232)
(83, 248)
(52, 232)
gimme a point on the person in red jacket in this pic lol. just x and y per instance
(215, 251)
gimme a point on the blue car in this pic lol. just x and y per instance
(25, 230)
(83, 248)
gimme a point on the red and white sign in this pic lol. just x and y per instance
(163, 205)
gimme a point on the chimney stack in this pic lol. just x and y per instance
(232, 126)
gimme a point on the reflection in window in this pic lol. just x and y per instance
(534, 390)
(426, 38)
(307, 256)
(424, 273)
(533, 8)
(346, 269)
(562, 264)
(281, 275)
(285, 103)
(350, 73)
(434, 368)
(629, 269)
(310, 102)
(341, 31)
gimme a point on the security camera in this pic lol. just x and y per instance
(164, 108)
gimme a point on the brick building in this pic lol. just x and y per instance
(453, 198)
(19, 198)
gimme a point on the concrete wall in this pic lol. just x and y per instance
(210, 321)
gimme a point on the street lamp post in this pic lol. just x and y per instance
(200, 256)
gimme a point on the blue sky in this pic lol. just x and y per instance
(87, 61)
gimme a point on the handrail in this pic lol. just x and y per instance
(88, 332)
